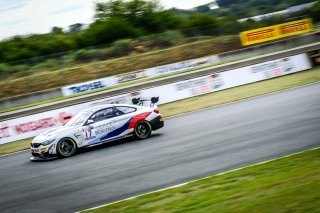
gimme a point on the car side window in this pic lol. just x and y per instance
(102, 115)
(121, 110)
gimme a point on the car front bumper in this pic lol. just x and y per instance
(39, 158)
(42, 153)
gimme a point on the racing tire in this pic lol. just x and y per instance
(66, 147)
(142, 130)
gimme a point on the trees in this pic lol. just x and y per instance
(19, 48)
(56, 30)
(141, 14)
(107, 31)
(202, 23)
(315, 12)
(127, 19)
(226, 3)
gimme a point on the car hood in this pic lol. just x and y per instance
(52, 133)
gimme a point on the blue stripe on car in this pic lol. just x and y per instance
(112, 134)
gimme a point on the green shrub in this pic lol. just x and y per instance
(167, 39)
(84, 55)
(122, 47)
(49, 64)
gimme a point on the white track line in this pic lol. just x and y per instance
(220, 105)
(183, 184)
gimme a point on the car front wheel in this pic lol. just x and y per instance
(142, 130)
(66, 147)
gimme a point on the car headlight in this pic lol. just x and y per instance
(47, 142)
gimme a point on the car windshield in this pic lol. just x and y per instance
(78, 119)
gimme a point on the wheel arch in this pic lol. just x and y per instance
(70, 138)
(58, 151)
(145, 121)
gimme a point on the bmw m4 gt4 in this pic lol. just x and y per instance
(95, 126)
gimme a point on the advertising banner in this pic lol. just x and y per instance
(140, 74)
(276, 32)
(180, 66)
(88, 86)
(132, 76)
(228, 79)
(33, 125)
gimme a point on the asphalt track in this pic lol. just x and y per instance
(190, 146)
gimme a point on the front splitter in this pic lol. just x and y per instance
(34, 158)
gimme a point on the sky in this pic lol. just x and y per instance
(23, 17)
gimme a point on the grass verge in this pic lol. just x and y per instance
(15, 146)
(289, 184)
(212, 99)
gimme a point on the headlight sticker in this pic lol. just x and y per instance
(47, 142)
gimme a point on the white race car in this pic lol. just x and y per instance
(94, 126)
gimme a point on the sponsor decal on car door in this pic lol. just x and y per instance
(103, 124)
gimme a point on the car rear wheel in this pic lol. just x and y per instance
(66, 147)
(142, 130)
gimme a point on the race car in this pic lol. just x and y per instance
(96, 125)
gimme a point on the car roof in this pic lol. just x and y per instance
(103, 106)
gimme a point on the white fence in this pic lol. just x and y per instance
(33, 125)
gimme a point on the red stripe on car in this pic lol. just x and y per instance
(138, 118)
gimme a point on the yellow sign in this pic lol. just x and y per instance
(275, 32)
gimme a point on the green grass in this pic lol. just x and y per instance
(213, 99)
(289, 184)
(15, 146)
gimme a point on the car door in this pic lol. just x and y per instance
(122, 118)
(99, 126)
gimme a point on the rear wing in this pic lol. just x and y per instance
(145, 101)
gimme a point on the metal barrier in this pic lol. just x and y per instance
(158, 82)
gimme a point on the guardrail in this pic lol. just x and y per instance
(29, 126)
(158, 82)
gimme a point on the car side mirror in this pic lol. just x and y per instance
(90, 122)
